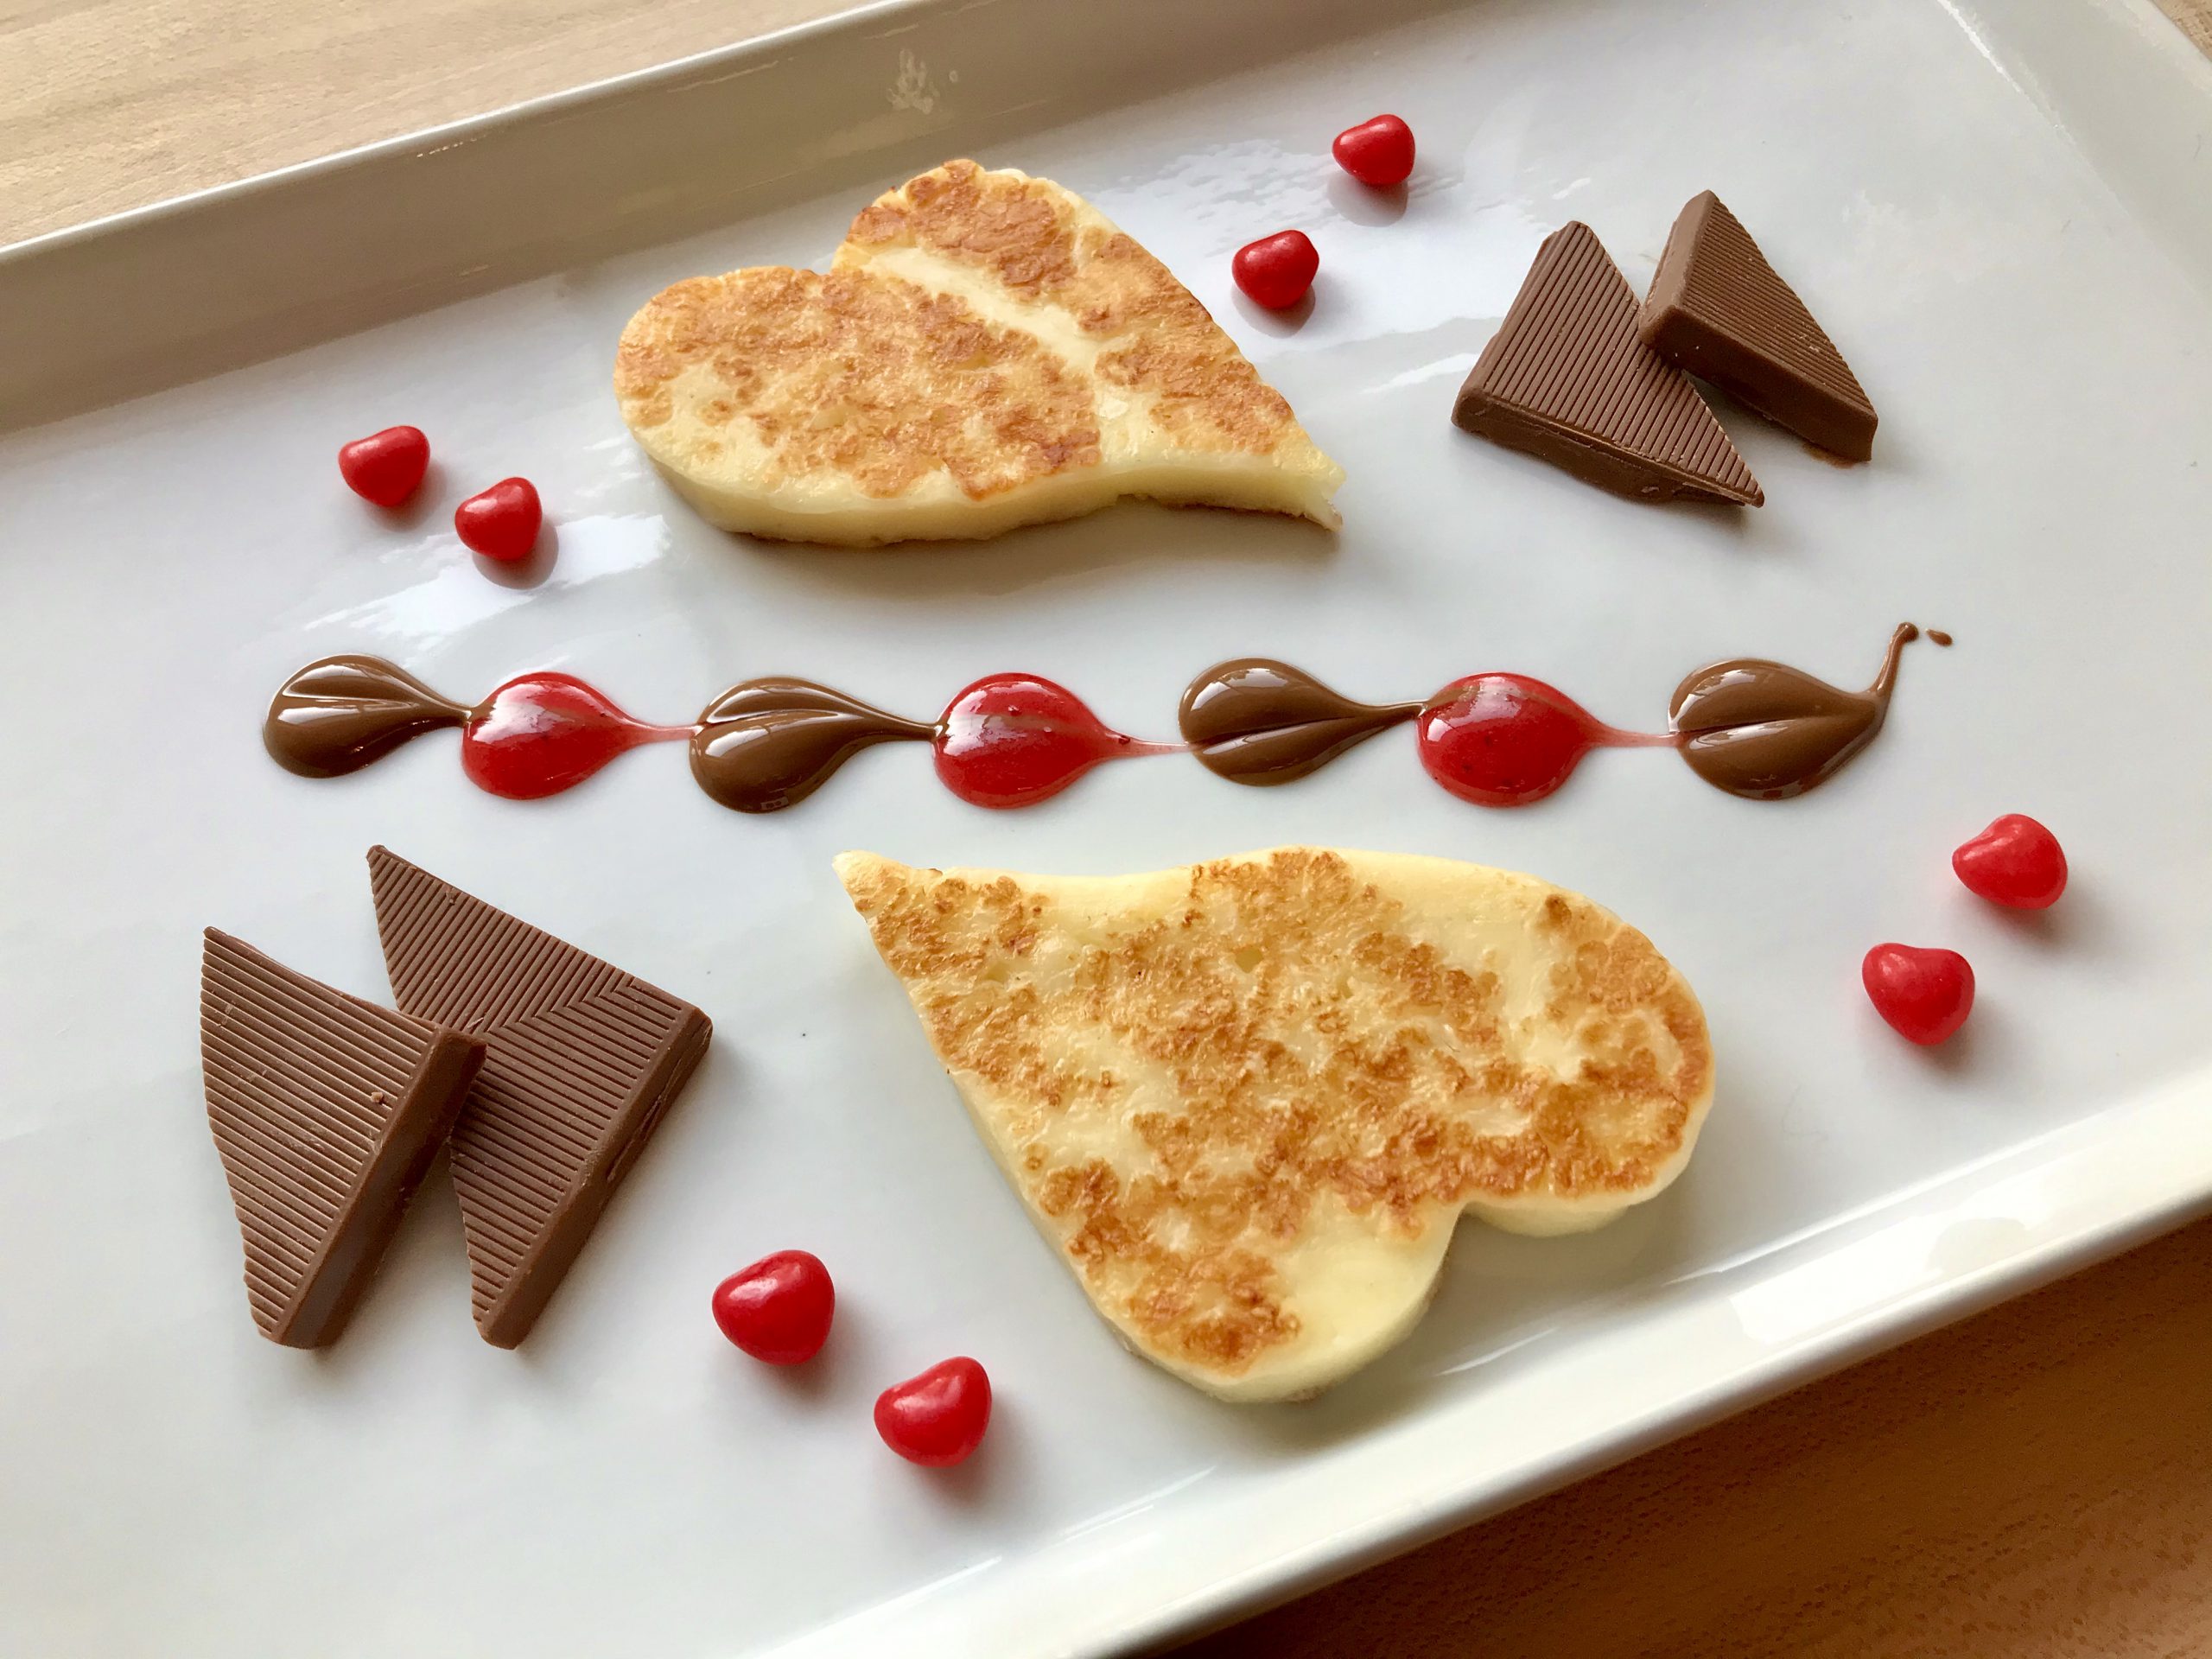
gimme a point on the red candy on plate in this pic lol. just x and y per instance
(387, 466)
(1379, 152)
(937, 1418)
(502, 522)
(1277, 270)
(1924, 993)
(2016, 862)
(778, 1309)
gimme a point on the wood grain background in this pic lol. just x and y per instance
(106, 104)
(2035, 1484)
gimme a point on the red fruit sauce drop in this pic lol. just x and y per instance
(1505, 740)
(1010, 739)
(539, 734)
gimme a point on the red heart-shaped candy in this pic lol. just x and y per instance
(938, 1417)
(1277, 270)
(779, 1308)
(501, 523)
(1377, 152)
(387, 466)
(2015, 862)
(1924, 993)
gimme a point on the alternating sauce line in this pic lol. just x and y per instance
(1008, 739)
(1750, 727)
(536, 735)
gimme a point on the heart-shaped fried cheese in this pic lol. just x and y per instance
(987, 350)
(1247, 1101)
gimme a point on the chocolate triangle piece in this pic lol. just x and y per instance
(583, 1061)
(1565, 378)
(327, 1111)
(1718, 310)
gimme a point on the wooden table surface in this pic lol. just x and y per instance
(2034, 1483)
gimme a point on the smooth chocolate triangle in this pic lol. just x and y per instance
(327, 1111)
(583, 1061)
(1718, 310)
(1567, 380)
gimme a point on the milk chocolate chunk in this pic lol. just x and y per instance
(583, 1060)
(1565, 378)
(1718, 310)
(327, 1111)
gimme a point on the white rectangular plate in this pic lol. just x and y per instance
(2005, 219)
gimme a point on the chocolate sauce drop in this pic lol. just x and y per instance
(1936, 636)
(1257, 720)
(338, 715)
(1767, 731)
(767, 744)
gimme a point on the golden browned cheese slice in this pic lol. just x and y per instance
(1247, 1101)
(987, 350)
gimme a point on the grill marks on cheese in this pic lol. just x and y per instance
(1280, 1037)
(1155, 339)
(862, 375)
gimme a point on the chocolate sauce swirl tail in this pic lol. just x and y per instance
(1767, 731)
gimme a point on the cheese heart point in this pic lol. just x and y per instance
(987, 350)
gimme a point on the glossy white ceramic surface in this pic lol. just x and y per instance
(1975, 207)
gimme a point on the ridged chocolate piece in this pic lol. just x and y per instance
(583, 1061)
(1567, 380)
(327, 1111)
(1718, 310)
